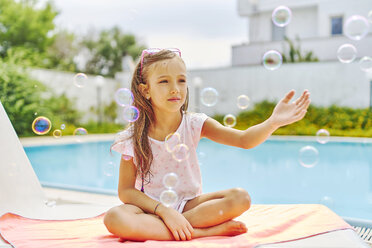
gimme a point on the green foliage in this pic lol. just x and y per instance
(108, 49)
(24, 99)
(295, 55)
(22, 24)
(339, 121)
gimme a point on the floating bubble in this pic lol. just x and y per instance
(168, 197)
(356, 27)
(322, 136)
(80, 80)
(80, 131)
(365, 63)
(41, 125)
(109, 169)
(124, 97)
(63, 126)
(209, 96)
(180, 152)
(130, 113)
(243, 101)
(308, 156)
(170, 180)
(171, 141)
(272, 60)
(126, 157)
(35, 113)
(50, 203)
(57, 133)
(229, 120)
(327, 201)
(346, 53)
(370, 16)
(281, 16)
(202, 154)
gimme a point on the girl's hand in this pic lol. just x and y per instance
(176, 223)
(286, 113)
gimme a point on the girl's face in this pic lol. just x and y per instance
(166, 85)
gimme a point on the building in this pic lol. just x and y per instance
(319, 24)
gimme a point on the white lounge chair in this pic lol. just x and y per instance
(21, 193)
(20, 189)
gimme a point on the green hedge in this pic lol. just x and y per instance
(339, 121)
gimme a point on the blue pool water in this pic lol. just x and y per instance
(271, 172)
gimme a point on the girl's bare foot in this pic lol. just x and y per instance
(228, 228)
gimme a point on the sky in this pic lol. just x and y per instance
(204, 30)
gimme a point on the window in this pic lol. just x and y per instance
(277, 33)
(336, 23)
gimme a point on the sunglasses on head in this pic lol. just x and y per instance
(156, 50)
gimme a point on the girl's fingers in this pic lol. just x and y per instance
(301, 98)
(182, 235)
(191, 229)
(188, 234)
(289, 96)
(175, 235)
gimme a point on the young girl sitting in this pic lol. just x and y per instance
(159, 87)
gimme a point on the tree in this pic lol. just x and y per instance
(23, 25)
(107, 50)
(24, 99)
(295, 55)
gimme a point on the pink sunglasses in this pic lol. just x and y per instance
(156, 50)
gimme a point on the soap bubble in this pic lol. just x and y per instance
(171, 141)
(327, 201)
(180, 152)
(63, 126)
(50, 203)
(370, 16)
(170, 180)
(229, 120)
(322, 136)
(57, 133)
(131, 113)
(365, 63)
(109, 169)
(281, 16)
(124, 97)
(346, 53)
(41, 125)
(243, 101)
(308, 156)
(168, 197)
(126, 157)
(80, 131)
(272, 60)
(356, 27)
(209, 96)
(80, 80)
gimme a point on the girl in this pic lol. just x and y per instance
(159, 87)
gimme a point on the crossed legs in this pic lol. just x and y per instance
(210, 214)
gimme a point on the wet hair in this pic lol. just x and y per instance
(139, 129)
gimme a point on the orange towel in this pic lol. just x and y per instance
(266, 224)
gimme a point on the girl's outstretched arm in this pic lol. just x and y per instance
(285, 112)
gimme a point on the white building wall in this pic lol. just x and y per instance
(86, 97)
(328, 82)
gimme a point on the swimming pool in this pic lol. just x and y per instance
(271, 172)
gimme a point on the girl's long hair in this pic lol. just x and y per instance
(142, 150)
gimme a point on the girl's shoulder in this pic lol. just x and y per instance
(125, 134)
(195, 117)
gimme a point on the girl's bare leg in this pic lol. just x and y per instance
(218, 207)
(130, 222)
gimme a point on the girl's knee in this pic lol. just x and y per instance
(110, 217)
(240, 199)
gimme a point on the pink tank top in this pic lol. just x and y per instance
(189, 177)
